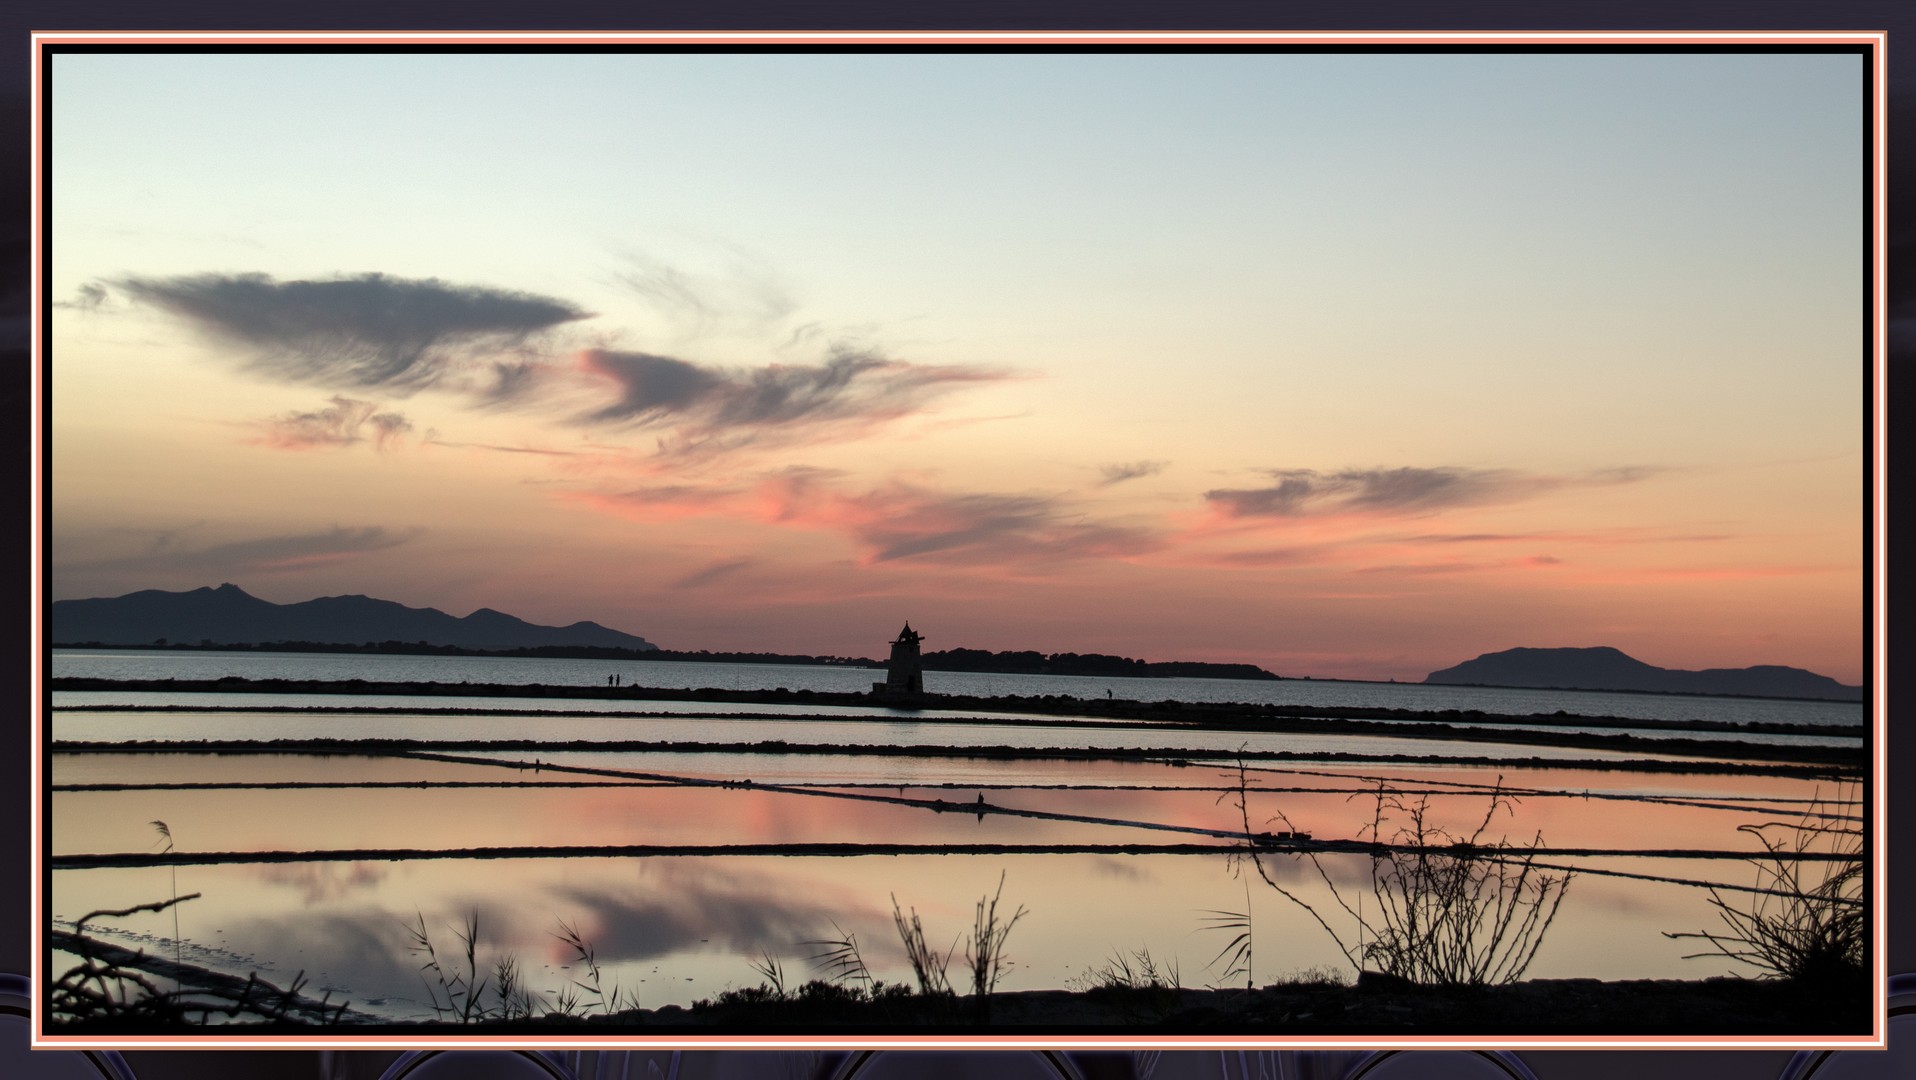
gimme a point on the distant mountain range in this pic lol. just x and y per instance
(1604, 668)
(229, 615)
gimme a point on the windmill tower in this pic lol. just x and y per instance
(903, 675)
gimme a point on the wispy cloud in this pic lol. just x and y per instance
(90, 296)
(396, 334)
(905, 521)
(1285, 556)
(540, 451)
(701, 408)
(1476, 538)
(651, 387)
(1724, 573)
(1398, 492)
(1425, 569)
(1617, 536)
(713, 572)
(657, 502)
(337, 425)
(260, 555)
(1305, 491)
(496, 348)
(744, 295)
(900, 520)
(1118, 474)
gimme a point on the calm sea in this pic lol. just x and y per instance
(678, 675)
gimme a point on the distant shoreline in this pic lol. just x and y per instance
(1025, 662)
(1612, 690)
(567, 652)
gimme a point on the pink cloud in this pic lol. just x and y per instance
(1398, 492)
(898, 520)
(667, 502)
(904, 521)
(711, 572)
(264, 554)
(343, 422)
(1420, 569)
(1728, 573)
(1608, 537)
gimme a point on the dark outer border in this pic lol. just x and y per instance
(23, 16)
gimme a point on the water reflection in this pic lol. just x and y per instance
(684, 928)
(430, 819)
(1623, 813)
(318, 883)
(264, 768)
(675, 906)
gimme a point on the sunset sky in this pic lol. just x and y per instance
(1344, 365)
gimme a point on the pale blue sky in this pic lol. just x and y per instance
(1467, 209)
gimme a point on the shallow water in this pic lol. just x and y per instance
(678, 928)
(903, 721)
(601, 815)
(675, 930)
(82, 725)
(437, 818)
(428, 703)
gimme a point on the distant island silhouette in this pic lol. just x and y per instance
(229, 615)
(1605, 668)
(228, 618)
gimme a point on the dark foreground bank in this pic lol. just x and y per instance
(1719, 1007)
(1383, 1006)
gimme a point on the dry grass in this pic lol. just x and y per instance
(1806, 921)
(840, 957)
(460, 989)
(1137, 970)
(927, 966)
(985, 951)
(1236, 953)
(1446, 910)
(594, 982)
